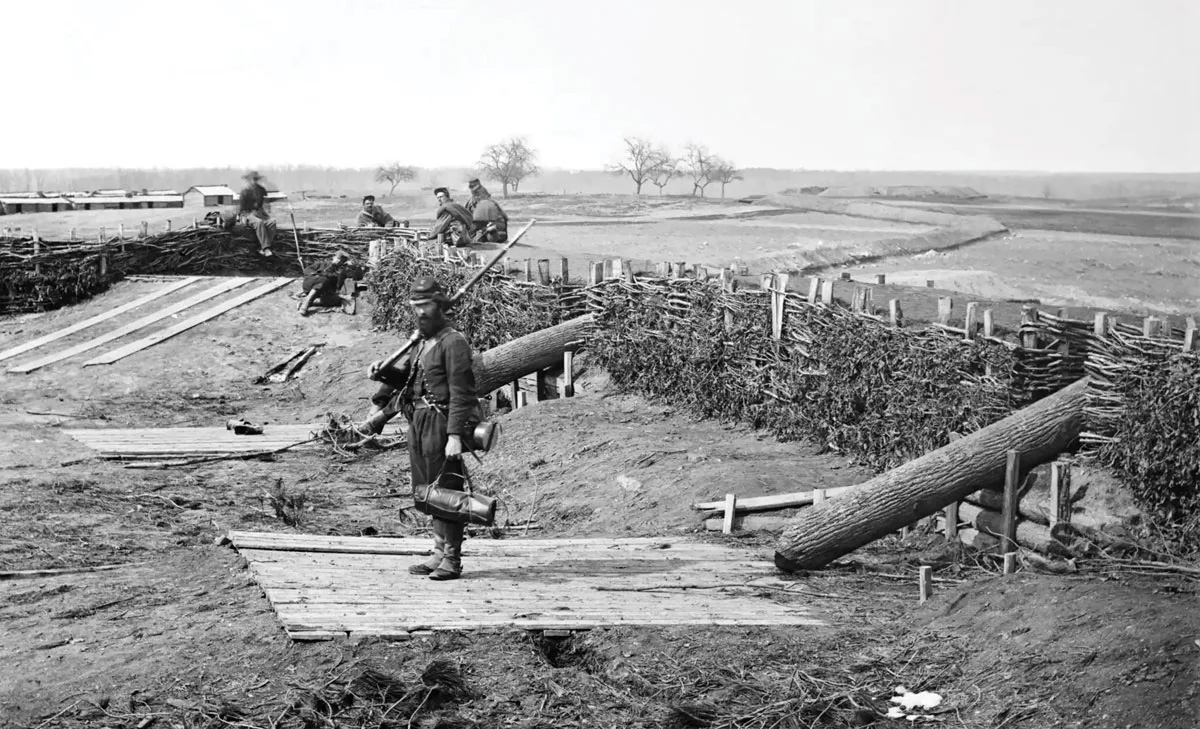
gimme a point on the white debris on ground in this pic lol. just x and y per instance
(908, 701)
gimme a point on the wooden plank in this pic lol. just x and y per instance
(749, 522)
(771, 503)
(730, 510)
(925, 582)
(183, 326)
(119, 332)
(80, 326)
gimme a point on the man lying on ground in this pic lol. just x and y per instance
(331, 283)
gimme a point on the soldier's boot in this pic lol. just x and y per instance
(451, 566)
(430, 566)
(308, 300)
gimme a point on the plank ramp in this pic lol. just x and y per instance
(183, 326)
(322, 586)
(135, 443)
(105, 316)
(131, 327)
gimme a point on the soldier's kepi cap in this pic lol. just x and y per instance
(426, 289)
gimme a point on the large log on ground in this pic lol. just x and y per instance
(533, 352)
(921, 487)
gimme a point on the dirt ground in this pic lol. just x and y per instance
(178, 634)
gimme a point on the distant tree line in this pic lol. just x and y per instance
(646, 162)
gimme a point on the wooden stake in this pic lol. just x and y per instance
(989, 323)
(895, 313)
(522, 399)
(1060, 493)
(814, 289)
(72, 234)
(951, 517)
(568, 374)
(543, 271)
(564, 273)
(1029, 335)
(595, 273)
(880, 279)
(529, 270)
(925, 582)
(971, 322)
(514, 390)
(945, 309)
(145, 229)
(121, 231)
(103, 264)
(1008, 515)
(1100, 324)
(168, 225)
(778, 299)
(1010, 563)
(827, 292)
(819, 496)
(1189, 335)
(618, 268)
(608, 269)
(1151, 326)
(730, 507)
(196, 223)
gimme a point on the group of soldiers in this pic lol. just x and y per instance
(481, 220)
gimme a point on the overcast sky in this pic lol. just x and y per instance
(1095, 85)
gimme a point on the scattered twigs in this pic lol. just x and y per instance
(52, 572)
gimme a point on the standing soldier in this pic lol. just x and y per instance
(439, 399)
(252, 211)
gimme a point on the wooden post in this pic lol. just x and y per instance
(99, 236)
(1189, 335)
(514, 390)
(925, 582)
(989, 323)
(627, 273)
(195, 223)
(814, 289)
(819, 496)
(121, 231)
(529, 269)
(595, 273)
(778, 299)
(895, 313)
(145, 229)
(951, 517)
(1100, 324)
(766, 282)
(37, 250)
(1010, 563)
(971, 321)
(945, 309)
(568, 374)
(522, 399)
(1008, 515)
(618, 268)
(168, 225)
(73, 235)
(103, 264)
(728, 285)
(543, 271)
(730, 507)
(1060, 493)
(827, 292)
(880, 279)
(608, 269)
(564, 273)
(1029, 335)
(1151, 326)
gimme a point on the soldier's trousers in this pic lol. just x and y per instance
(427, 456)
(264, 228)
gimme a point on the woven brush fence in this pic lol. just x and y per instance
(37, 275)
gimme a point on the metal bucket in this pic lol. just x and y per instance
(482, 437)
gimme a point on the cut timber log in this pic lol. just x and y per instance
(1029, 535)
(533, 352)
(925, 485)
(771, 503)
(994, 501)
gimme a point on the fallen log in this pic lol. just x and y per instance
(921, 487)
(501, 365)
(1030, 535)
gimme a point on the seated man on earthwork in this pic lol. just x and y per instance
(454, 223)
(331, 283)
(373, 216)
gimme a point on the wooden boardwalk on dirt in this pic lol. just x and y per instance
(321, 586)
(135, 443)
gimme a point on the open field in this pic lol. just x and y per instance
(180, 635)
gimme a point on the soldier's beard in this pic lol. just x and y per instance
(430, 325)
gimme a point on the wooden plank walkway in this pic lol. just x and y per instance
(92, 321)
(324, 586)
(183, 326)
(225, 285)
(134, 443)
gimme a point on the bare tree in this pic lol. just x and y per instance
(697, 164)
(509, 163)
(394, 174)
(666, 168)
(724, 172)
(641, 160)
